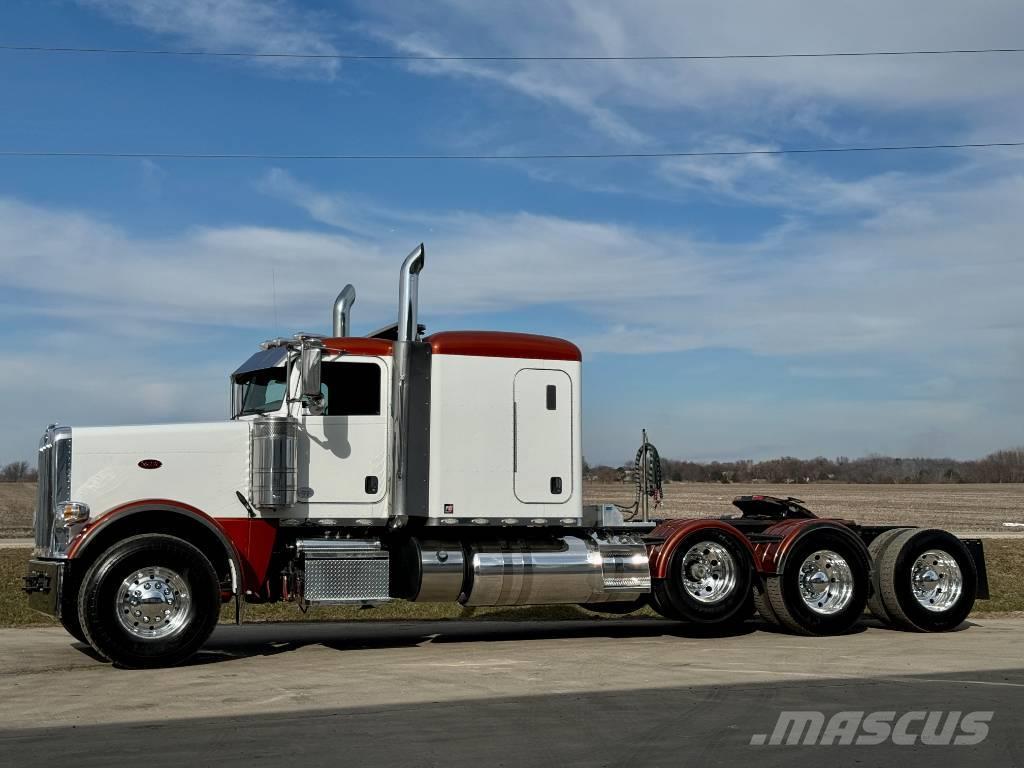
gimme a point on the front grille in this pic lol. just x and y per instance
(43, 520)
(54, 487)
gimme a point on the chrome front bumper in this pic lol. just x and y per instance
(44, 583)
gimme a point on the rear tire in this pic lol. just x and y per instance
(823, 587)
(877, 549)
(928, 580)
(709, 580)
(763, 605)
(149, 601)
(666, 611)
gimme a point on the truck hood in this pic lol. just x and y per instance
(202, 465)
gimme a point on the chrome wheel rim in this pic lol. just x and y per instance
(826, 582)
(154, 603)
(936, 580)
(709, 572)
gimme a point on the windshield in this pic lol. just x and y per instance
(260, 391)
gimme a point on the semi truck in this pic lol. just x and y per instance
(357, 470)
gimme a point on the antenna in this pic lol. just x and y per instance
(273, 298)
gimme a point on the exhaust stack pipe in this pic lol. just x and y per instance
(408, 332)
(408, 295)
(342, 312)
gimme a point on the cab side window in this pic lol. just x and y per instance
(350, 389)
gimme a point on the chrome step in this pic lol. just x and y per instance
(341, 572)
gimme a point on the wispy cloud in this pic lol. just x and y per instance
(252, 26)
(784, 183)
(919, 278)
(761, 98)
(347, 212)
(756, 427)
(936, 284)
(536, 83)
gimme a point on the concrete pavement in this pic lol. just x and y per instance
(626, 692)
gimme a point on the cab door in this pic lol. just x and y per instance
(343, 454)
(542, 412)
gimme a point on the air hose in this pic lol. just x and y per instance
(648, 480)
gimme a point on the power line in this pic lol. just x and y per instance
(425, 57)
(525, 156)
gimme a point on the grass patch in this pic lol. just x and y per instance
(14, 610)
(17, 505)
(1005, 560)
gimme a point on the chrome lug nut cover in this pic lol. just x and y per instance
(826, 582)
(709, 572)
(154, 603)
(936, 580)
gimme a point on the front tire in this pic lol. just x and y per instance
(149, 601)
(69, 604)
(69, 620)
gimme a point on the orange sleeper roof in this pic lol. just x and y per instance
(472, 343)
(502, 344)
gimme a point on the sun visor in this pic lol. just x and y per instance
(265, 358)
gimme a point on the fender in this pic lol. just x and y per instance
(770, 557)
(234, 534)
(671, 532)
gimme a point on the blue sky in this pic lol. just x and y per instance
(736, 307)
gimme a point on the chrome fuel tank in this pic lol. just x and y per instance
(570, 569)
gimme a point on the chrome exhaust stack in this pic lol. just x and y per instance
(342, 312)
(408, 295)
(407, 333)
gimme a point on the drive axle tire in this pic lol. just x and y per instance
(928, 580)
(708, 581)
(876, 549)
(666, 611)
(149, 601)
(763, 605)
(823, 587)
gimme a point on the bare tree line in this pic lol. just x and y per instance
(18, 472)
(1005, 466)
(1000, 467)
